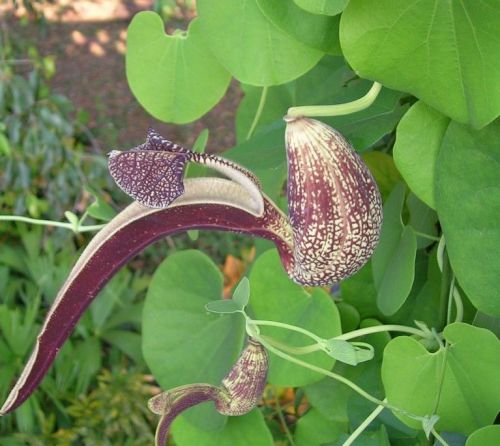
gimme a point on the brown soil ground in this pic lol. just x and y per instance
(88, 39)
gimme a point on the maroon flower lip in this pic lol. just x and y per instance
(334, 224)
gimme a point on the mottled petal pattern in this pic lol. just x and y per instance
(334, 204)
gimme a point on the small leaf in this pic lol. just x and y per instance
(428, 424)
(348, 352)
(99, 209)
(73, 219)
(225, 306)
(241, 294)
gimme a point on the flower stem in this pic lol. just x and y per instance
(57, 224)
(361, 428)
(338, 109)
(258, 113)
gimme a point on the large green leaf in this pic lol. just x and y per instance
(459, 382)
(418, 139)
(246, 430)
(327, 7)
(486, 436)
(443, 52)
(393, 261)
(182, 343)
(250, 46)
(468, 205)
(175, 78)
(317, 31)
(275, 297)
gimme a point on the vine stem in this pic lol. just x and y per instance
(335, 376)
(258, 113)
(286, 327)
(293, 350)
(439, 438)
(344, 337)
(57, 224)
(338, 109)
(361, 428)
(381, 328)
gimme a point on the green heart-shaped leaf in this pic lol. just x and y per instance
(445, 53)
(459, 383)
(175, 78)
(182, 343)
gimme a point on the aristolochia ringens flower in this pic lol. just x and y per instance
(332, 229)
(239, 392)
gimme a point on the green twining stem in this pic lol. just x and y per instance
(293, 350)
(337, 377)
(439, 438)
(381, 328)
(338, 109)
(56, 224)
(345, 336)
(286, 327)
(361, 428)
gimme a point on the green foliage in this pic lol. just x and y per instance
(443, 53)
(467, 173)
(42, 163)
(191, 81)
(418, 139)
(272, 296)
(457, 382)
(247, 430)
(182, 344)
(435, 271)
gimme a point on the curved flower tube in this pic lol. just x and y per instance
(334, 224)
(240, 391)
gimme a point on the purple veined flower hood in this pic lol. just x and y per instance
(334, 221)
